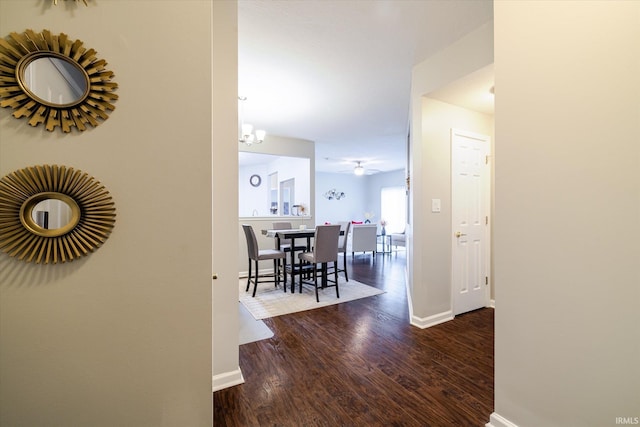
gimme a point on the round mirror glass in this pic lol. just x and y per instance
(52, 214)
(55, 81)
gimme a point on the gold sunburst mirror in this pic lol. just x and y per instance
(55, 2)
(51, 214)
(53, 80)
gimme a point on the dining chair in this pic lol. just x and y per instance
(256, 255)
(325, 250)
(364, 238)
(285, 244)
(345, 226)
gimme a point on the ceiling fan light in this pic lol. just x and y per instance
(358, 170)
(260, 134)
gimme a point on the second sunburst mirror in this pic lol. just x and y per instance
(52, 214)
(54, 80)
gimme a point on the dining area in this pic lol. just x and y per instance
(297, 257)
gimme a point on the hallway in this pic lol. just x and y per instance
(361, 364)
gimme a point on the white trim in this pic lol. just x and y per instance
(436, 319)
(406, 285)
(227, 379)
(492, 303)
(424, 322)
(498, 421)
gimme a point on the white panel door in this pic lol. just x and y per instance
(470, 207)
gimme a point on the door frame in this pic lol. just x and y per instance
(486, 184)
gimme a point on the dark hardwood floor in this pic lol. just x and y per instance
(361, 363)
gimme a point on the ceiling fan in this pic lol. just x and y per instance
(358, 168)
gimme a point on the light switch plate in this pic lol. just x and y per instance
(436, 205)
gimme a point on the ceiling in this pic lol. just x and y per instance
(339, 72)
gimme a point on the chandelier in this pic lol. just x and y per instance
(246, 130)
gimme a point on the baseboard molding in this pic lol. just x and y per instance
(424, 322)
(498, 421)
(436, 319)
(492, 303)
(227, 379)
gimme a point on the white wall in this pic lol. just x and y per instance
(362, 195)
(567, 213)
(428, 234)
(122, 336)
(253, 201)
(350, 208)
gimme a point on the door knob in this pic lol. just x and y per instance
(459, 234)
(215, 276)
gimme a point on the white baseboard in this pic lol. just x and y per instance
(497, 421)
(424, 322)
(227, 379)
(492, 303)
(436, 319)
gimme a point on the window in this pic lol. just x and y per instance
(394, 208)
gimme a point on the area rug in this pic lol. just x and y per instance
(271, 302)
(251, 330)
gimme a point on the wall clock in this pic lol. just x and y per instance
(255, 180)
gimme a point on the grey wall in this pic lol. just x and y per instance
(429, 234)
(122, 336)
(567, 213)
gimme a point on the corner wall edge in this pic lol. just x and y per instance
(499, 421)
(227, 379)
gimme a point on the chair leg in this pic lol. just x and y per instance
(335, 272)
(299, 276)
(284, 273)
(249, 277)
(346, 275)
(276, 274)
(255, 282)
(315, 281)
(282, 269)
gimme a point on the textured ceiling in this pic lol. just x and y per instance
(339, 72)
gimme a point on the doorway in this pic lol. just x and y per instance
(287, 195)
(470, 199)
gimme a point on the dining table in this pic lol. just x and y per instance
(292, 234)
